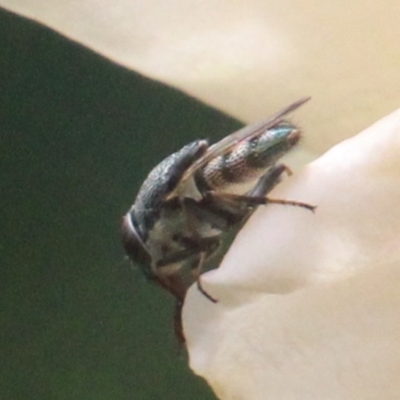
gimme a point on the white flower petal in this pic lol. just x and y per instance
(309, 304)
(250, 58)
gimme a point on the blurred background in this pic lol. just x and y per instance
(78, 135)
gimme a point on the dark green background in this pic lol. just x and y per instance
(78, 135)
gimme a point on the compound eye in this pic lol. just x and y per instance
(133, 243)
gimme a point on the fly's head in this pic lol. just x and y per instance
(133, 243)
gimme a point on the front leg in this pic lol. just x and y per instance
(197, 251)
(209, 246)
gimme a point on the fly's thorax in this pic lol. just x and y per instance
(162, 181)
(248, 160)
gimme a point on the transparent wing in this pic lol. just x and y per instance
(227, 143)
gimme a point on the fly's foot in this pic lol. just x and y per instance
(203, 291)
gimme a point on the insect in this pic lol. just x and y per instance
(197, 194)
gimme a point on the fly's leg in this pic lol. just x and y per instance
(203, 291)
(224, 211)
(199, 248)
(176, 286)
(178, 327)
(253, 202)
(173, 283)
(294, 203)
(193, 246)
(269, 180)
(209, 246)
(258, 196)
(206, 246)
(197, 273)
(206, 210)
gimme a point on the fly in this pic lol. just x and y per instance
(194, 196)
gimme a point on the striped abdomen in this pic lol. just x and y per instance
(249, 159)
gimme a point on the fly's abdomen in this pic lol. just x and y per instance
(249, 159)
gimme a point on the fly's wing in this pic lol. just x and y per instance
(226, 144)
